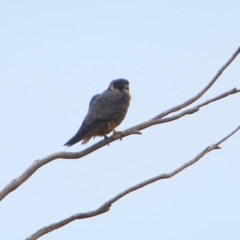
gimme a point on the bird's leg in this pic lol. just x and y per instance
(118, 133)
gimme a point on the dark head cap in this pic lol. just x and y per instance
(119, 84)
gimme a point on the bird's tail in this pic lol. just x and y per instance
(85, 133)
(73, 140)
(80, 135)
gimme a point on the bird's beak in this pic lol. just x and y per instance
(126, 87)
(126, 90)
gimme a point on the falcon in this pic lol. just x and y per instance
(106, 111)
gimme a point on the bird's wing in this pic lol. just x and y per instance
(110, 106)
(103, 108)
(106, 107)
(92, 99)
(90, 126)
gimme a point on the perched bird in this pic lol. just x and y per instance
(106, 111)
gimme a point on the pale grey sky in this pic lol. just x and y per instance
(55, 55)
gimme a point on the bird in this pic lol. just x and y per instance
(106, 111)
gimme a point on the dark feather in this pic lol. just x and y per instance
(93, 98)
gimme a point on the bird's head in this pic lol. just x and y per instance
(120, 85)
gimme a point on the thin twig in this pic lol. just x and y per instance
(223, 95)
(107, 205)
(180, 114)
(195, 98)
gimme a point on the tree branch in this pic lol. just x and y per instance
(196, 108)
(107, 205)
(133, 130)
(195, 98)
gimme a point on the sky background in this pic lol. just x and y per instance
(55, 55)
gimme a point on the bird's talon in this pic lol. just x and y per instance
(106, 137)
(118, 134)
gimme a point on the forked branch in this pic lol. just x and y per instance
(159, 119)
(200, 94)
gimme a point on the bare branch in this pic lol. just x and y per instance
(223, 95)
(195, 98)
(181, 114)
(107, 205)
(133, 130)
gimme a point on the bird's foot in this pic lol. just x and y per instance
(118, 134)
